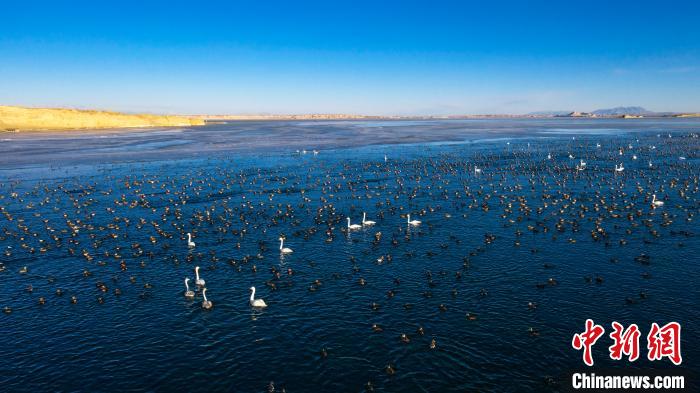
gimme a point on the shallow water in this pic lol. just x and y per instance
(238, 186)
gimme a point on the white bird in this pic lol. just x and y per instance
(549, 156)
(634, 156)
(650, 164)
(477, 169)
(206, 304)
(571, 156)
(188, 293)
(283, 249)
(198, 280)
(190, 243)
(412, 222)
(619, 168)
(365, 221)
(385, 158)
(656, 203)
(353, 226)
(256, 302)
(597, 145)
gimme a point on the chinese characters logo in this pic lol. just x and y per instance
(662, 342)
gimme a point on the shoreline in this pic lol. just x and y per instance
(15, 119)
(24, 120)
(110, 130)
(233, 118)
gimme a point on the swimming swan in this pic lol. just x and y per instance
(256, 302)
(190, 243)
(365, 221)
(206, 304)
(188, 293)
(412, 222)
(353, 226)
(283, 249)
(198, 280)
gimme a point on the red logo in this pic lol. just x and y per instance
(586, 340)
(665, 342)
(626, 342)
(662, 342)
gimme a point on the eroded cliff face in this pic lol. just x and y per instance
(20, 118)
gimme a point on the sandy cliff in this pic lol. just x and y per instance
(19, 118)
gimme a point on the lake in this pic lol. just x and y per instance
(526, 231)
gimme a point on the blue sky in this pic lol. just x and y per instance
(352, 57)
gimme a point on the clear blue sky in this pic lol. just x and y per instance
(403, 57)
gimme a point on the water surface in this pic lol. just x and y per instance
(75, 206)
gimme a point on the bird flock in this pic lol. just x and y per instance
(107, 230)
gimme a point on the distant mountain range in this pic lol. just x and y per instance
(619, 111)
(623, 110)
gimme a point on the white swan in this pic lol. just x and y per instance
(283, 249)
(412, 222)
(206, 304)
(353, 226)
(365, 221)
(619, 168)
(256, 302)
(634, 156)
(655, 203)
(190, 243)
(650, 164)
(549, 156)
(188, 293)
(477, 169)
(198, 280)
